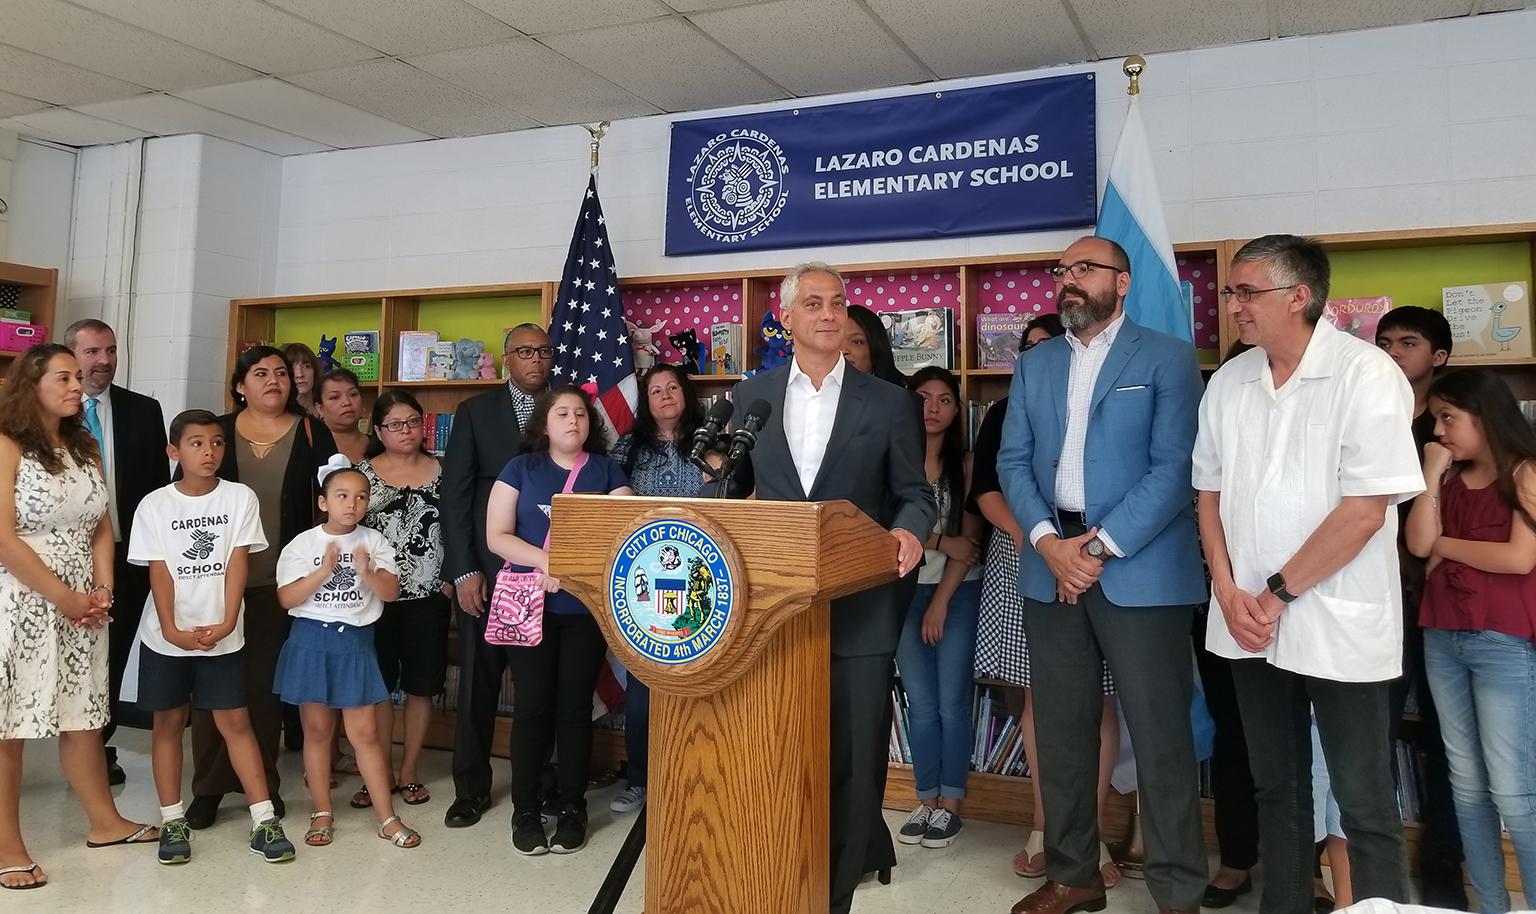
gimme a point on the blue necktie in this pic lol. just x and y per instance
(93, 422)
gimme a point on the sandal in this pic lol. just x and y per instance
(1107, 869)
(29, 868)
(361, 799)
(413, 789)
(320, 835)
(405, 837)
(142, 836)
(345, 764)
(1030, 862)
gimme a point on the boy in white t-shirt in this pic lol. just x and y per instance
(195, 535)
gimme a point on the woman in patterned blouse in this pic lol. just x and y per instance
(654, 455)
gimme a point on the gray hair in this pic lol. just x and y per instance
(790, 286)
(1292, 261)
(89, 323)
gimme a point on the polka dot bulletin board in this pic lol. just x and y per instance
(694, 306)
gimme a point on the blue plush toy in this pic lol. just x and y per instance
(325, 359)
(778, 345)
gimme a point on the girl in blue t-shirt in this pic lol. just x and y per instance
(554, 679)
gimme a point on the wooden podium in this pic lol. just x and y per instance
(738, 767)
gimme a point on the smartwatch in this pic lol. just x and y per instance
(1095, 548)
(1276, 585)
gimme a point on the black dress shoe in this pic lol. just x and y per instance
(116, 776)
(203, 812)
(466, 811)
(1217, 897)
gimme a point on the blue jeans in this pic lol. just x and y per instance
(1484, 685)
(938, 680)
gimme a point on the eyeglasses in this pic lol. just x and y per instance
(528, 352)
(1079, 269)
(1244, 296)
(400, 425)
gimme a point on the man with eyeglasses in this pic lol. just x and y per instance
(1094, 465)
(1305, 443)
(487, 429)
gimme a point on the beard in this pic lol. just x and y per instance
(1080, 310)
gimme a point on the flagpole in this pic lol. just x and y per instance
(598, 133)
(1134, 66)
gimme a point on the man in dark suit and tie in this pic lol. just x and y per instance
(130, 429)
(487, 432)
(836, 433)
(1095, 464)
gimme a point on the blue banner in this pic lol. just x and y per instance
(1009, 158)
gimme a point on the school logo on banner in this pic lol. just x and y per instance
(673, 589)
(1012, 157)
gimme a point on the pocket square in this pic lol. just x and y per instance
(1133, 387)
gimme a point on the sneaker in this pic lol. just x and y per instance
(917, 825)
(943, 827)
(268, 840)
(175, 842)
(570, 832)
(528, 835)
(631, 799)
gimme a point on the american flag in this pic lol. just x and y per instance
(587, 329)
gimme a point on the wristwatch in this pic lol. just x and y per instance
(1095, 548)
(1276, 585)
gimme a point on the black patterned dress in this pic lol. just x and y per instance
(409, 518)
(53, 675)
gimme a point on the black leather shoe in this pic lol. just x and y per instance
(203, 812)
(116, 776)
(466, 811)
(1217, 897)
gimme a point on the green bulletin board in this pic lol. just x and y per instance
(1416, 275)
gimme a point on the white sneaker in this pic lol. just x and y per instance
(916, 825)
(629, 800)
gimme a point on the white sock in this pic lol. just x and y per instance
(172, 812)
(261, 812)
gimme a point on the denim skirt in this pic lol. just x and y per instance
(329, 663)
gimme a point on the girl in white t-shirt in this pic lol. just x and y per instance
(333, 579)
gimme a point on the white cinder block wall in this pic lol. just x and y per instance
(1417, 126)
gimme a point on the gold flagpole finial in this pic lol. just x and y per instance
(1134, 66)
(598, 133)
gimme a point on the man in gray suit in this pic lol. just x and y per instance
(836, 433)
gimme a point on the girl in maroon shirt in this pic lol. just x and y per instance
(1476, 524)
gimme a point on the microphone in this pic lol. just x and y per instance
(709, 433)
(743, 440)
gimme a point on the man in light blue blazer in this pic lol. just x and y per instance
(1095, 465)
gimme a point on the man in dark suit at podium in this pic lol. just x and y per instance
(836, 433)
(130, 429)
(487, 432)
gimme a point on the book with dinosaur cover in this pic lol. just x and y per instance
(1489, 323)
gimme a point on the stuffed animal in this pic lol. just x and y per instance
(487, 367)
(778, 343)
(466, 359)
(643, 341)
(325, 359)
(687, 345)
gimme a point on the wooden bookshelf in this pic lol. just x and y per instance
(37, 290)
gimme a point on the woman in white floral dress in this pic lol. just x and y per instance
(55, 596)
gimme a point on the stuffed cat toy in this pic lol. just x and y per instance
(778, 344)
(325, 359)
(687, 346)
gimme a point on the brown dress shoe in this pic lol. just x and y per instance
(1055, 898)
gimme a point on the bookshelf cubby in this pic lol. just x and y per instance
(33, 289)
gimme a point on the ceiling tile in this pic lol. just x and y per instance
(994, 36)
(694, 73)
(1311, 17)
(404, 29)
(813, 47)
(61, 125)
(406, 95)
(1116, 28)
(528, 77)
(88, 39)
(25, 73)
(301, 113)
(246, 31)
(17, 104)
(166, 115)
(537, 17)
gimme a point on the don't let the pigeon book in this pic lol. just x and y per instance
(1489, 323)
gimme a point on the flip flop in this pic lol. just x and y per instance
(362, 800)
(12, 870)
(417, 790)
(137, 837)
